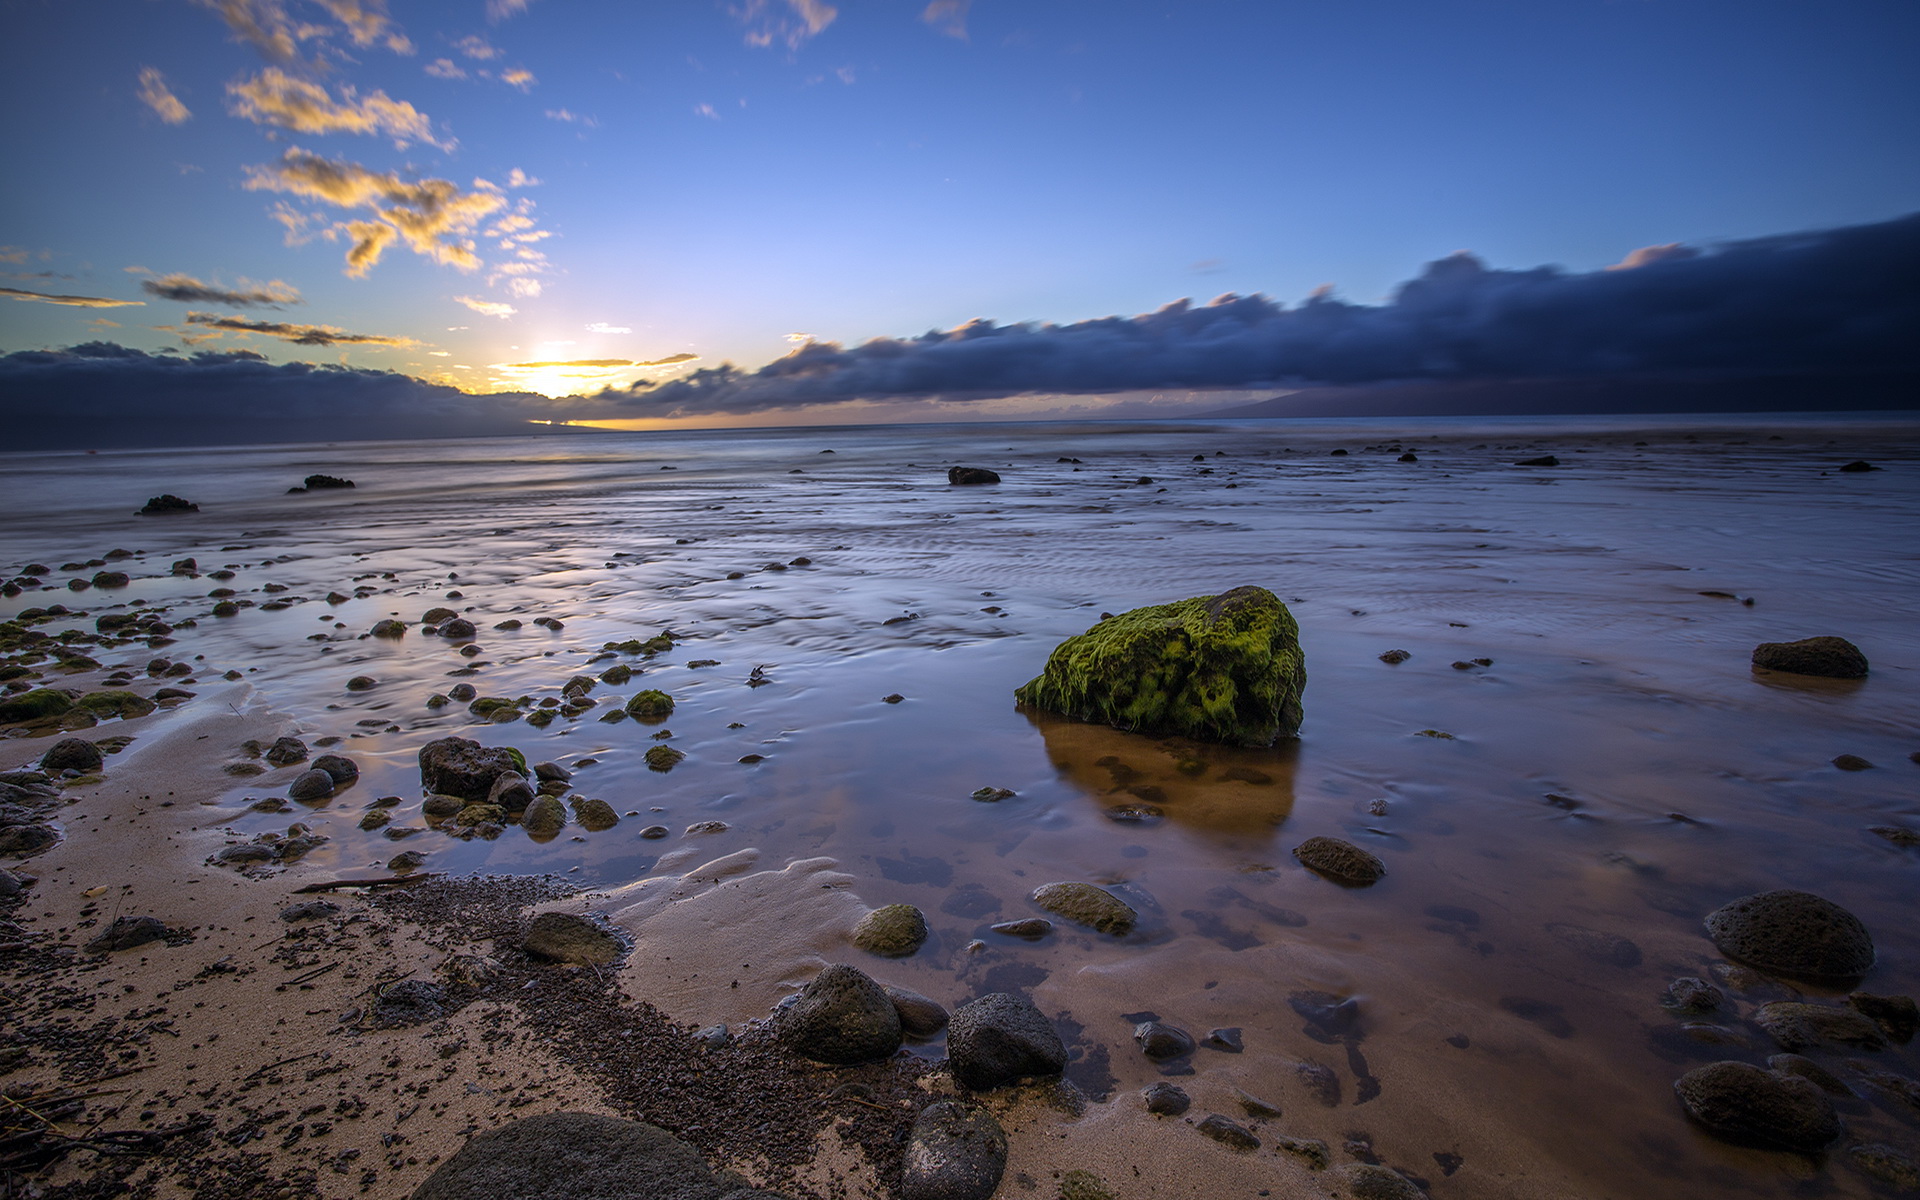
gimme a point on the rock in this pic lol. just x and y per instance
(165, 504)
(1343, 862)
(1812, 1072)
(1255, 1107)
(441, 806)
(1160, 1041)
(34, 704)
(341, 769)
(1883, 1162)
(434, 616)
(459, 629)
(72, 754)
(1321, 1082)
(244, 853)
(409, 1002)
(650, 705)
(407, 860)
(127, 932)
(309, 910)
(663, 758)
(511, 791)
(565, 938)
(23, 840)
(1800, 1026)
(1858, 466)
(841, 1017)
(544, 818)
(313, 784)
(1369, 1181)
(992, 795)
(595, 816)
(1832, 657)
(1545, 460)
(1897, 1016)
(891, 931)
(655, 832)
(388, 628)
(362, 683)
(1394, 658)
(1228, 1132)
(920, 1016)
(713, 1037)
(1793, 933)
(116, 704)
(1691, 994)
(1165, 1100)
(1085, 904)
(316, 483)
(579, 1156)
(457, 767)
(1310, 1151)
(374, 818)
(551, 772)
(1852, 762)
(971, 475)
(954, 1152)
(999, 1038)
(1227, 1040)
(1030, 928)
(1742, 1103)
(1609, 948)
(1224, 668)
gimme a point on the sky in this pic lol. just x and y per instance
(717, 206)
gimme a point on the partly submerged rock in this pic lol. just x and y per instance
(166, 503)
(1793, 933)
(999, 1038)
(1341, 861)
(1085, 904)
(954, 1152)
(1833, 657)
(579, 1156)
(891, 931)
(563, 937)
(1742, 1103)
(544, 818)
(1897, 1016)
(454, 766)
(1371, 1181)
(1224, 668)
(920, 1016)
(841, 1017)
(971, 475)
(72, 754)
(1800, 1026)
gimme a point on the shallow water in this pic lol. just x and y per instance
(1617, 768)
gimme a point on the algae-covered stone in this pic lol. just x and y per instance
(595, 815)
(650, 704)
(72, 754)
(891, 931)
(458, 767)
(29, 706)
(1833, 657)
(841, 1017)
(663, 758)
(1224, 668)
(1086, 904)
(1341, 861)
(579, 1156)
(544, 818)
(563, 937)
(1742, 1103)
(116, 704)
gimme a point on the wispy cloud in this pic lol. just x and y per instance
(487, 308)
(16, 256)
(444, 68)
(948, 16)
(572, 118)
(187, 289)
(603, 327)
(298, 335)
(155, 95)
(789, 21)
(477, 48)
(519, 77)
(274, 97)
(368, 24)
(429, 215)
(517, 178)
(70, 301)
(705, 110)
(279, 37)
(500, 10)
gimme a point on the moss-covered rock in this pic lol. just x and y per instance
(651, 704)
(544, 818)
(31, 706)
(116, 704)
(1085, 904)
(891, 931)
(663, 758)
(1224, 668)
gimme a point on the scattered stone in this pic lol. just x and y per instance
(341, 769)
(1227, 1040)
(566, 938)
(655, 832)
(971, 475)
(993, 795)
(1160, 1041)
(1165, 1100)
(457, 767)
(663, 758)
(35, 704)
(72, 754)
(309, 910)
(1742, 1103)
(1229, 1133)
(23, 840)
(1852, 762)
(920, 1016)
(1224, 668)
(551, 772)
(544, 818)
(841, 1017)
(442, 806)
(891, 931)
(999, 1038)
(374, 818)
(1800, 1026)
(459, 629)
(1858, 466)
(510, 791)
(1394, 658)
(954, 1152)
(1897, 1016)
(892, 698)
(595, 816)
(1812, 1072)
(1545, 460)
(1320, 1081)
(1341, 861)
(1880, 1161)
(1255, 1107)
(650, 705)
(1031, 928)
(166, 504)
(714, 1037)
(407, 860)
(579, 1156)
(388, 628)
(1310, 1151)
(127, 932)
(1793, 933)
(313, 784)
(316, 483)
(1085, 1185)
(1370, 1181)
(407, 1002)
(1085, 904)
(1691, 994)
(1832, 657)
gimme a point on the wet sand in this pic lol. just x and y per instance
(1615, 771)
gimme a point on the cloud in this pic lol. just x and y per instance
(100, 394)
(263, 24)
(1648, 255)
(571, 117)
(519, 77)
(298, 335)
(154, 93)
(15, 255)
(789, 21)
(1835, 300)
(444, 68)
(186, 288)
(523, 288)
(275, 98)
(368, 24)
(429, 215)
(705, 110)
(948, 16)
(600, 363)
(267, 26)
(517, 178)
(487, 308)
(476, 47)
(70, 301)
(500, 10)
(603, 327)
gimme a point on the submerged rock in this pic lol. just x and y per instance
(32, 705)
(1793, 933)
(920, 1016)
(841, 1017)
(1897, 1016)
(954, 1152)
(1341, 861)
(576, 1156)
(1833, 657)
(1159, 1040)
(1883, 1162)
(1742, 1103)
(544, 818)
(1799, 1026)
(971, 475)
(313, 784)
(999, 1038)
(1228, 1132)
(454, 766)
(1370, 1181)
(1224, 668)
(1085, 904)
(165, 504)
(891, 931)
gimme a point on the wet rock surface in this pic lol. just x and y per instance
(841, 1017)
(72, 754)
(954, 1152)
(126, 933)
(1742, 1103)
(458, 767)
(1832, 657)
(971, 475)
(891, 931)
(1229, 1132)
(1799, 1026)
(1341, 861)
(1000, 1038)
(579, 1156)
(565, 938)
(1370, 1181)
(920, 1016)
(1086, 904)
(1793, 933)
(1165, 1099)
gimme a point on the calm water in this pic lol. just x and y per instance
(1615, 687)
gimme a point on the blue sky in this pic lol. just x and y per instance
(709, 179)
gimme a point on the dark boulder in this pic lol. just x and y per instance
(1341, 861)
(1741, 1103)
(1799, 1026)
(72, 754)
(891, 931)
(920, 1016)
(167, 503)
(841, 1017)
(1159, 1040)
(971, 475)
(454, 766)
(1793, 933)
(1832, 657)
(999, 1038)
(343, 770)
(1897, 1016)
(1165, 1100)
(128, 932)
(954, 1152)
(565, 938)
(286, 751)
(313, 784)
(315, 483)
(579, 1156)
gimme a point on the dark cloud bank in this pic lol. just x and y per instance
(1827, 320)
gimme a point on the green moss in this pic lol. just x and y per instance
(1084, 1185)
(519, 761)
(116, 704)
(660, 643)
(226, 608)
(664, 758)
(494, 708)
(891, 931)
(28, 706)
(1224, 668)
(540, 718)
(650, 703)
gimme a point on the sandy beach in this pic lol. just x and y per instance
(1572, 765)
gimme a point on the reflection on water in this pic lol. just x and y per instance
(1612, 771)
